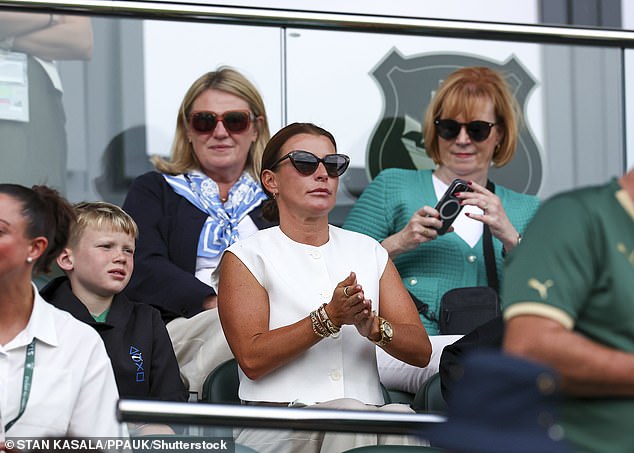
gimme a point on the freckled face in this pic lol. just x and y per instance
(103, 261)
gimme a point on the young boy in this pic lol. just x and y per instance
(98, 262)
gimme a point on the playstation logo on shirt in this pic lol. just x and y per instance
(137, 358)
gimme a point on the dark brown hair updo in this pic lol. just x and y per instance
(272, 153)
(47, 214)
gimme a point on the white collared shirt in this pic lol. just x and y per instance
(73, 390)
(469, 230)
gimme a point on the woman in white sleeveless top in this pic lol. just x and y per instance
(304, 305)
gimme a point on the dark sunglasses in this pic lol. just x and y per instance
(478, 131)
(235, 121)
(306, 163)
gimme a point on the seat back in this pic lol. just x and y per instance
(399, 396)
(221, 385)
(429, 397)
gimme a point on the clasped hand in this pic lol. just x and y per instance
(349, 306)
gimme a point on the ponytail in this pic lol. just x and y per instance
(47, 214)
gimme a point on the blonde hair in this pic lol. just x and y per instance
(183, 159)
(100, 215)
(462, 93)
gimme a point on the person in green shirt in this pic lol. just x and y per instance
(567, 302)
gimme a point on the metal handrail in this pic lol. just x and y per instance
(274, 417)
(542, 34)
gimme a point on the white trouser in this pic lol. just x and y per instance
(200, 346)
(398, 375)
(288, 441)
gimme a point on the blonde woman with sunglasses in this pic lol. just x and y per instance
(197, 203)
(305, 304)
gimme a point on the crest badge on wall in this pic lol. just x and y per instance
(408, 85)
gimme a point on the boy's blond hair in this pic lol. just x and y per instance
(100, 215)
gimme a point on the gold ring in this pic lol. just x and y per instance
(484, 208)
(345, 291)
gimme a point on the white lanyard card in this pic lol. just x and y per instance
(14, 87)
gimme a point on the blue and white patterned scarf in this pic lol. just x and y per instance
(221, 227)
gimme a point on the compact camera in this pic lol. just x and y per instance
(449, 205)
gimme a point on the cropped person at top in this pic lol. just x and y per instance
(304, 305)
(199, 202)
(32, 116)
(55, 375)
(470, 125)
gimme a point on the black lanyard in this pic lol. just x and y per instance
(489, 256)
(27, 379)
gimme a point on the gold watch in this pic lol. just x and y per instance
(385, 328)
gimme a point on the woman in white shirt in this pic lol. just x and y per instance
(55, 375)
(304, 305)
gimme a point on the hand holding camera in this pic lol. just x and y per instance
(449, 205)
(428, 223)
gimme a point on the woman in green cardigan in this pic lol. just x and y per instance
(470, 125)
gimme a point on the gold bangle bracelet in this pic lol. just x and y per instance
(318, 327)
(332, 328)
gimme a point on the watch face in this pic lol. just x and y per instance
(387, 328)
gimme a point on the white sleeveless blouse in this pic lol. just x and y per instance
(298, 279)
